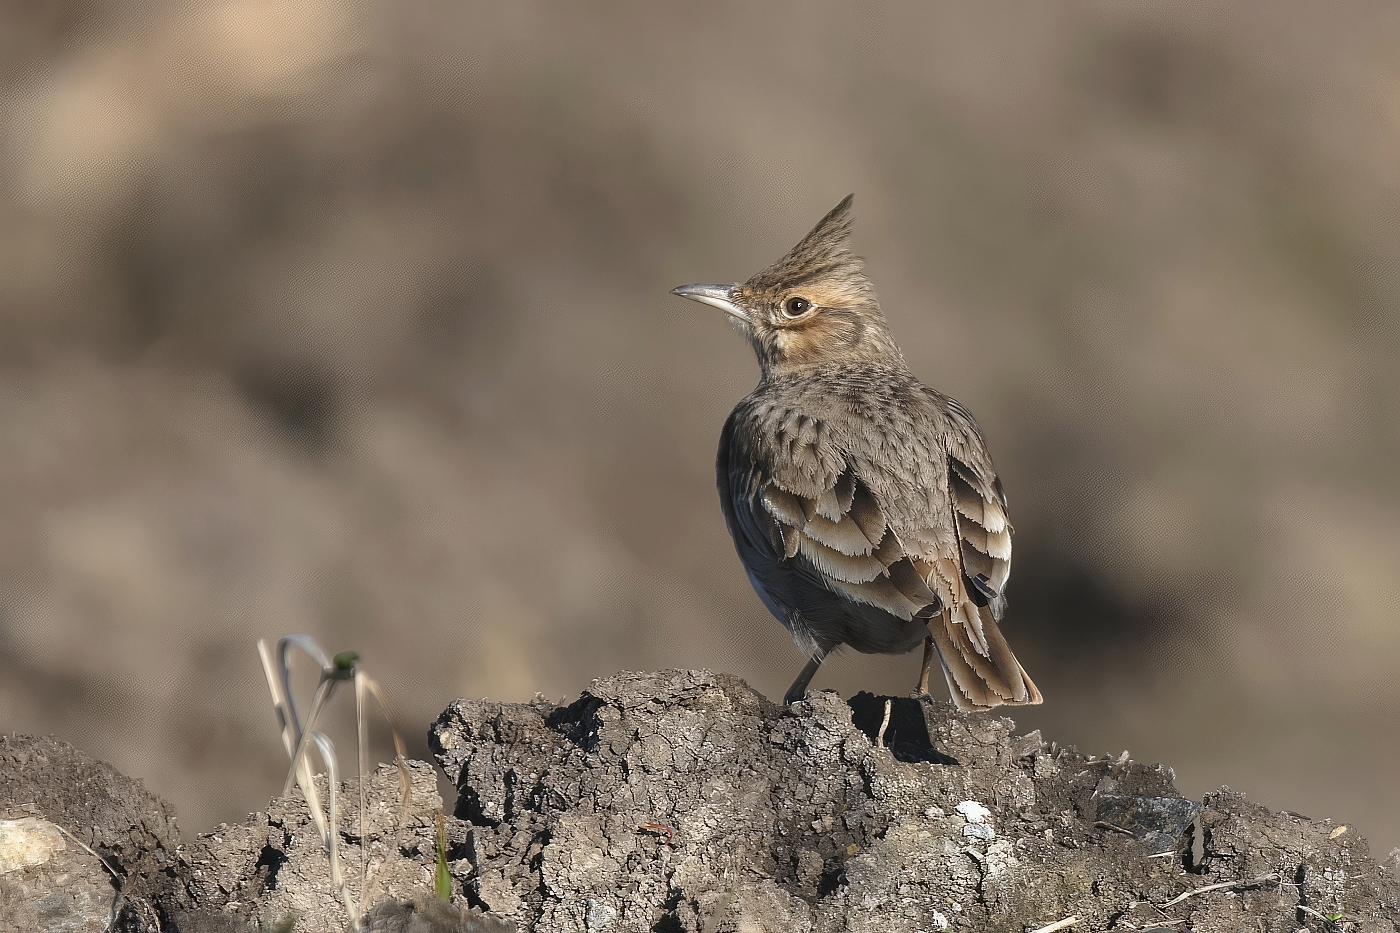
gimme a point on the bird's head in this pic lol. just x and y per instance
(813, 307)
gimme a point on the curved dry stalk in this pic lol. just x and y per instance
(364, 684)
(332, 838)
(1064, 924)
(333, 671)
(299, 736)
(279, 684)
(1249, 882)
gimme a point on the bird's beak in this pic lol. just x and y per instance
(721, 296)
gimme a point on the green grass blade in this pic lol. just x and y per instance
(442, 878)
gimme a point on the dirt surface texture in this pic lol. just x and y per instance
(62, 816)
(686, 802)
(272, 868)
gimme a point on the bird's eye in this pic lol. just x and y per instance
(796, 307)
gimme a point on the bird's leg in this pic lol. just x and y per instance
(798, 690)
(929, 654)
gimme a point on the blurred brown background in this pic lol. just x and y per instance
(352, 318)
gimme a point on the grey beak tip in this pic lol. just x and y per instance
(718, 296)
(704, 292)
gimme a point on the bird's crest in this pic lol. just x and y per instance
(822, 258)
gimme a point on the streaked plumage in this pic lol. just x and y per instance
(863, 504)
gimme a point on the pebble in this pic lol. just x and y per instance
(973, 811)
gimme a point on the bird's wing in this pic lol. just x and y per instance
(916, 531)
(978, 506)
(795, 489)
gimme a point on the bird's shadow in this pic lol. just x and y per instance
(906, 736)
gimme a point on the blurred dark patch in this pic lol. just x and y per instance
(149, 273)
(1071, 614)
(1066, 593)
(274, 181)
(77, 696)
(38, 30)
(419, 152)
(176, 269)
(465, 312)
(301, 399)
(1157, 76)
(597, 220)
(206, 734)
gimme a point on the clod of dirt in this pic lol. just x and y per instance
(685, 801)
(50, 885)
(131, 829)
(273, 866)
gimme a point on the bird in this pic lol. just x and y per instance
(863, 504)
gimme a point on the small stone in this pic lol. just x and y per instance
(810, 866)
(979, 831)
(599, 915)
(973, 811)
(497, 893)
(1027, 745)
(28, 841)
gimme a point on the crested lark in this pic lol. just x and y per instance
(863, 504)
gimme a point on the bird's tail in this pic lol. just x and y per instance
(982, 672)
